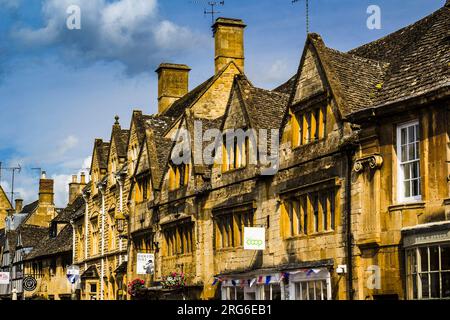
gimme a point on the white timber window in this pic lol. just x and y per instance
(408, 154)
(428, 272)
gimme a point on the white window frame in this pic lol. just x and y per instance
(400, 173)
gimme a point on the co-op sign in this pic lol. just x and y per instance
(254, 238)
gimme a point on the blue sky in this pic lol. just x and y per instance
(60, 88)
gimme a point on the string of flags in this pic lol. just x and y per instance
(267, 279)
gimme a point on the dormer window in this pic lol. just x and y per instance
(235, 154)
(309, 126)
(178, 176)
(142, 188)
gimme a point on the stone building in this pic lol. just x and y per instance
(25, 226)
(5, 206)
(53, 254)
(100, 248)
(357, 208)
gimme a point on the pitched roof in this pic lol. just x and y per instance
(49, 246)
(3, 194)
(32, 235)
(102, 149)
(29, 208)
(70, 211)
(158, 150)
(265, 108)
(177, 108)
(418, 57)
(286, 87)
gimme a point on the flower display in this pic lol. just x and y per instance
(134, 287)
(174, 281)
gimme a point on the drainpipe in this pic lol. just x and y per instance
(86, 226)
(348, 209)
(72, 223)
(119, 180)
(101, 188)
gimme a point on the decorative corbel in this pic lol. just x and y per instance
(373, 162)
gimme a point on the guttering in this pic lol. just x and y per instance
(438, 93)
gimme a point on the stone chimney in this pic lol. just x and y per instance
(173, 83)
(229, 42)
(18, 205)
(75, 187)
(46, 195)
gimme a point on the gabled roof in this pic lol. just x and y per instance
(176, 110)
(90, 273)
(286, 87)
(49, 246)
(418, 57)
(158, 149)
(29, 208)
(70, 211)
(101, 148)
(404, 64)
(6, 199)
(264, 108)
(120, 137)
(31, 235)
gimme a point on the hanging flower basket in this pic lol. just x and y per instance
(174, 281)
(135, 286)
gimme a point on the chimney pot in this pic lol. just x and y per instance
(74, 178)
(83, 178)
(19, 205)
(173, 83)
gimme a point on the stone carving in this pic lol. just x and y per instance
(374, 162)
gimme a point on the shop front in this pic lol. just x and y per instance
(277, 284)
(427, 261)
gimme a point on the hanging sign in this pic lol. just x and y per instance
(254, 238)
(4, 277)
(73, 273)
(145, 263)
(29, 283)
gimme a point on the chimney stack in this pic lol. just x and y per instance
(75, 187)
(229, 42)
(173, 83)
(18, 205)
(46, 194)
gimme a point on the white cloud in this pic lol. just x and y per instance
(128, 31)
(27, 182)
(67, 144)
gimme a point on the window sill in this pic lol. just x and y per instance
(231, 171)
(307, 144)
(418, 204)
(229, 249)
(178, 256)
(310, 235)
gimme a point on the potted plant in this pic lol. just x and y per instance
(174, 281)
(135, 286)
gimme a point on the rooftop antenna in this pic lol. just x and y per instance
(307, 13)
(13, 174)
(212, 4)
